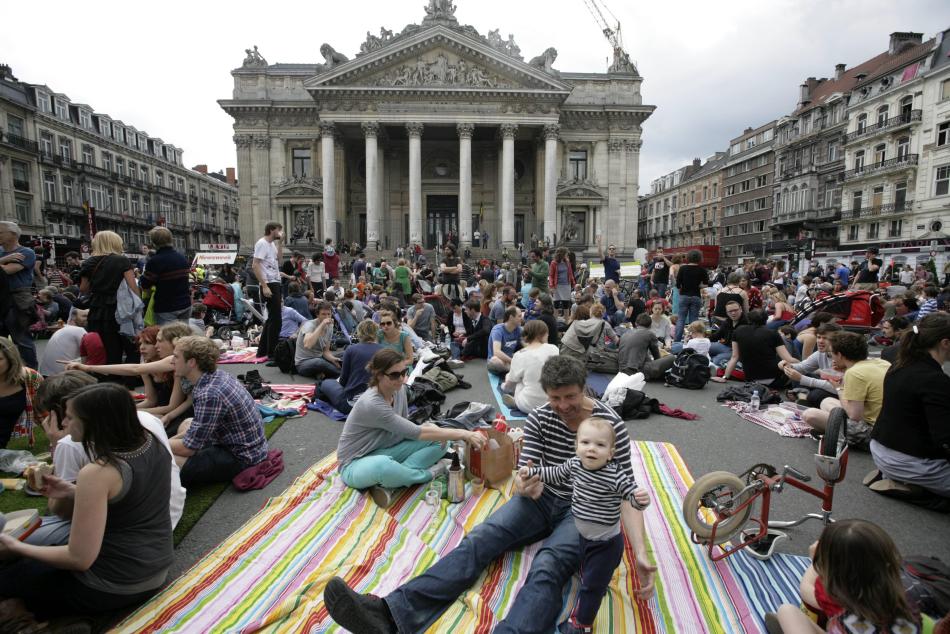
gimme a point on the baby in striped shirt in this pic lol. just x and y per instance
(600, 487)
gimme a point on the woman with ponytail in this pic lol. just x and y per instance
(910, 442)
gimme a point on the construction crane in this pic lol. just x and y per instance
(621, 58)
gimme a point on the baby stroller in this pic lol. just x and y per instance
(227, 315)
(858, 311)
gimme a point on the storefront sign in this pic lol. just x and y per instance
(215, 258)
(217, 247)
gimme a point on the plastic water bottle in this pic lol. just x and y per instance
(754, 402)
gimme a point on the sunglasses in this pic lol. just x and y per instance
(385, 323)
(397, 375)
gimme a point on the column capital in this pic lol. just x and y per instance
(370, 128)
(551, 131)
(414, 129)
(327, 128)
(262, 142)
(465, 130)
(508, 130)
(242, 140)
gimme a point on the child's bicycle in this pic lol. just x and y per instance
(717, 508)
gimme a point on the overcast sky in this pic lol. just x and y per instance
(710, 68)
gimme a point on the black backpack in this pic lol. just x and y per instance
(690, 370)
(284, 353)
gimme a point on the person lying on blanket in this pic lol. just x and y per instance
(380, 449)
(600, 487)
(537, 512)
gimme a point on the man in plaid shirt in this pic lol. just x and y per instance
(226, 434)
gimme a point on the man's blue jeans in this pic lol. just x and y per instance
(719, 353)
(521, 521)
(317, 365)
(689, 306)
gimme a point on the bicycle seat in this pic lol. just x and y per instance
(764, 548)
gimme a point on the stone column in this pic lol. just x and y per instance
(370, 131)
(465, 131)
(415, 182)
(382, 211)
(262, 145)
(508, 131)
(327, 131)
(551, 133)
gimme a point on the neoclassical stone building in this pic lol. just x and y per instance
(436, 128)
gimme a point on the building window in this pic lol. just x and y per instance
(104, 128)
(68, 191)
(852, 232)
(578, 164)
(879, 152)
(14, 125)
(862, 123)
(895, 229)
(107, 161)
(859, 160)
(943, 130)
(62, 111)
(84, 119)
(133, 169)
(907, 105)
(301, 162)
(873, 229)
(159, 179)
(945, 89)
(88, 156)
(21, 175)
(881, 116)
(42, 99)
(760, 226)
(832, 152)
(942, 181)
(903, 147)
(144, 171)
(49, 186)
(856, 201)
(23, 215)
(119, 165)
(66, 149)
(900, 195)
(761, 181)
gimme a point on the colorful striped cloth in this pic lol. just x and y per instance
(244, 355)
(270, 574)
(293, 390)
(789, 427)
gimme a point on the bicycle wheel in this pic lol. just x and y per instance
(835, 433)
(719, 488)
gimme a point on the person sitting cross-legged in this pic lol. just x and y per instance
(342, 393)
(313, 356)
(860, 390)
(804, 373)
(504, 341)
(536, 512)
(226, 434)
(380, 448)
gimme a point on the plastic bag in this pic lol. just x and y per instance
(15, 461)
(621, 382)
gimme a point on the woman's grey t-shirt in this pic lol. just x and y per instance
(375, 424)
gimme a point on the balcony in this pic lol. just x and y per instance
(89, 168)
(192, 198)
(890, 124)
(889, 209)
(794, 216)
(882, 167)
(20, 142)
(54, 207)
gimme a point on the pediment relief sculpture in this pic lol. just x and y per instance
(441, 69)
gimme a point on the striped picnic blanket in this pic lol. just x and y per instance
(245, 355)
(789, 427)
(270, 574)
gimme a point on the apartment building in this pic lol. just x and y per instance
(67, 170)
(747, 197)
(662, 203)
(931, 217)
(700, 197)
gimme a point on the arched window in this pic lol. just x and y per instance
(882, 116)
(806, 198)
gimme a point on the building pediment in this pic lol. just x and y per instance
(439, 59)
(580, 189)
(297, 186)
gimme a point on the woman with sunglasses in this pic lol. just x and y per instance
(392, 336)
(380, 449)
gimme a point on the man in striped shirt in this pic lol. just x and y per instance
(537, 512)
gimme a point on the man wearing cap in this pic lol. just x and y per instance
(866, 279)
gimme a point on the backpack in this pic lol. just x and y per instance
(690, 370)
(931, 589)
(603, 360)
(284, 353)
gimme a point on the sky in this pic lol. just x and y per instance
(710, 68)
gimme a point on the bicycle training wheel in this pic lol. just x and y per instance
(717, 489)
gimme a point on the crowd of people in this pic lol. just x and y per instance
(358, 326)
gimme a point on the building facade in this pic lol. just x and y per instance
(66, 169)
(438, 128)
(932, 211)
(661, 208)
(700, 196)
(881, 190)
(747, 196)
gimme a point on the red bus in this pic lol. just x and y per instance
(710, 254)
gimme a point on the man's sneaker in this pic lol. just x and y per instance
(872, 477)
(383, 496)
(358, 613)
(508, 400)
(455, 363)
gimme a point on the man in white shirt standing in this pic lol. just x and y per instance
(268, 253)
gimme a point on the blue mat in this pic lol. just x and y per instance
(595, 381)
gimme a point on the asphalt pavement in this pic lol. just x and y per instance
(719, 440)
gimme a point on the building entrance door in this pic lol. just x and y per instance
(519, 229)
(442, 213)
